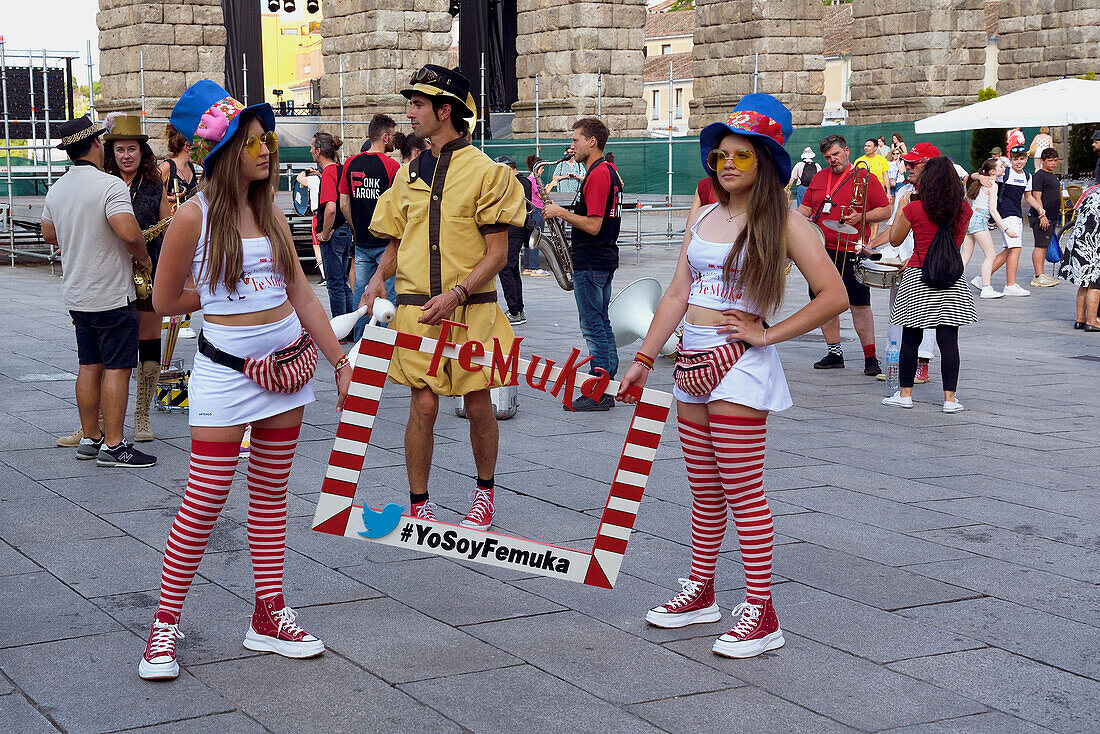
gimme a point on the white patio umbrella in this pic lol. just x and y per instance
(1061, 102)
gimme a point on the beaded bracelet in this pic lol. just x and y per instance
(344, 362)
(644, 360)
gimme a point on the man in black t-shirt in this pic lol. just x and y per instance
(364, 178)
(595, 219)
(1045, 199)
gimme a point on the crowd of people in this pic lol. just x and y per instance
(434, 232)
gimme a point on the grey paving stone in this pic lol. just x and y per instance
(400, 644)
(1017, 628)
(852, 691)
(53, 462)
(52, 519)
(663, 561)
(993, 722)
(877, 483)
(15, 486)
(326, 693)
(213, 620)
(860, 629)
(305, 582)
(39, 608)
(20, 716)
(13, 562)
(1027, 550)
(528, 517)
(1054, 595)
(101, 566)
(874, 543)
(5, 686)
(152, 527)
(854, 578)
(1082, 531)
(234, 723)
(522, 698)
(1014, 685)
(557, 487)
(737, 709)
(102, 493)
(118, 700)
(471, 597)
(864, 507)
(600, 659)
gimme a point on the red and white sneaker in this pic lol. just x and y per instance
(694, 605)
(922, 372)
(159, 661)
(273, 630)
(480, 516)
(757, 630)
(423, 510)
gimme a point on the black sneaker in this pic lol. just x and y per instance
(871, 367)
(830, 362)
(124, 455)
(585, 404)
(88, 448)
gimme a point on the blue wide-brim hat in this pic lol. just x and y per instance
(208, 116)
(757, 115)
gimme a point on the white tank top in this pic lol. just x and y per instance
(259, 288)
(708, 288)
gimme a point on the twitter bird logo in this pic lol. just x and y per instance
(381, 523)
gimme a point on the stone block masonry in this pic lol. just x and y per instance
(1044, 40)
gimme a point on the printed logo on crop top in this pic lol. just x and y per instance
(711, 283)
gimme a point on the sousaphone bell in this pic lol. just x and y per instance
(632, 310)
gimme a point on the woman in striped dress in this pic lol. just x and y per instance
(919, 306)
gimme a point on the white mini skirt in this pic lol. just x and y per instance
(220, 396)
(756, 380)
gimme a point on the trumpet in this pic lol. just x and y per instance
(861, 179)
(557, 250)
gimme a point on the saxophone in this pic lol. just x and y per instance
(554, 246)
(143, 279)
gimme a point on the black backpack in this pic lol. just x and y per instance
(942, 266)
(808, 173)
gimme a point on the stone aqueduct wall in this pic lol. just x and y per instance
(905, 64)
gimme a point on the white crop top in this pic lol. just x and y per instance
(259, 288)
(707, 286)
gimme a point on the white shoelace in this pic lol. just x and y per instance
(426, 511)
(749, 617)
(164, 639)
(285, 618)
(482, 507)
(691, 589)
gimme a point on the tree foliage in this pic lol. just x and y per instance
(982, 140)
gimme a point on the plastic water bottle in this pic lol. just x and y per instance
(893, 368)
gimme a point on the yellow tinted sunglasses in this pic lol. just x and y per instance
(742, 160)
(270, 139)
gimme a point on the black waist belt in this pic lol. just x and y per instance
(217, 356)
(419, 299)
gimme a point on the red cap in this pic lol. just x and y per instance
(920, 151)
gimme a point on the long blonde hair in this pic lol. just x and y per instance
(223, 252)
(764, 237)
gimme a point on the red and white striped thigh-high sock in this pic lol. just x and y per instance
(211, 474)
(739, 450)
(268, 471)
(708, 502)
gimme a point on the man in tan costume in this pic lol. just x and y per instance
(446, 217)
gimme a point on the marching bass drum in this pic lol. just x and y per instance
(877, 274)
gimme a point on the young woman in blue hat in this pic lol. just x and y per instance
(730, 277)
(235, 243)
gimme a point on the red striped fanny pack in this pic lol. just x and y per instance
(698, 371)
(286, 370)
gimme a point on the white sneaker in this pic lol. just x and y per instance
(952, 406)
(186, 333)
(976, 281)
(898, 401)
(989, 292)
(1044, 281)
(1016, 290)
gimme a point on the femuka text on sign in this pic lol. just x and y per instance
(338, 515)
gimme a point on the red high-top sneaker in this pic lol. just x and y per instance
(694, 605)
(757, 630)
(480, 515)
(273, 630)
(159, 661)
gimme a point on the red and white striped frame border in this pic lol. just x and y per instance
(337, 514)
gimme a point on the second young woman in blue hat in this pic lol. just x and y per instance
(730, 277)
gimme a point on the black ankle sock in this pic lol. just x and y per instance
(149, 350)
(485, 483)
(416, 498)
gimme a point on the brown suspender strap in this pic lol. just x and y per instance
(419, 299)
(435, 214)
